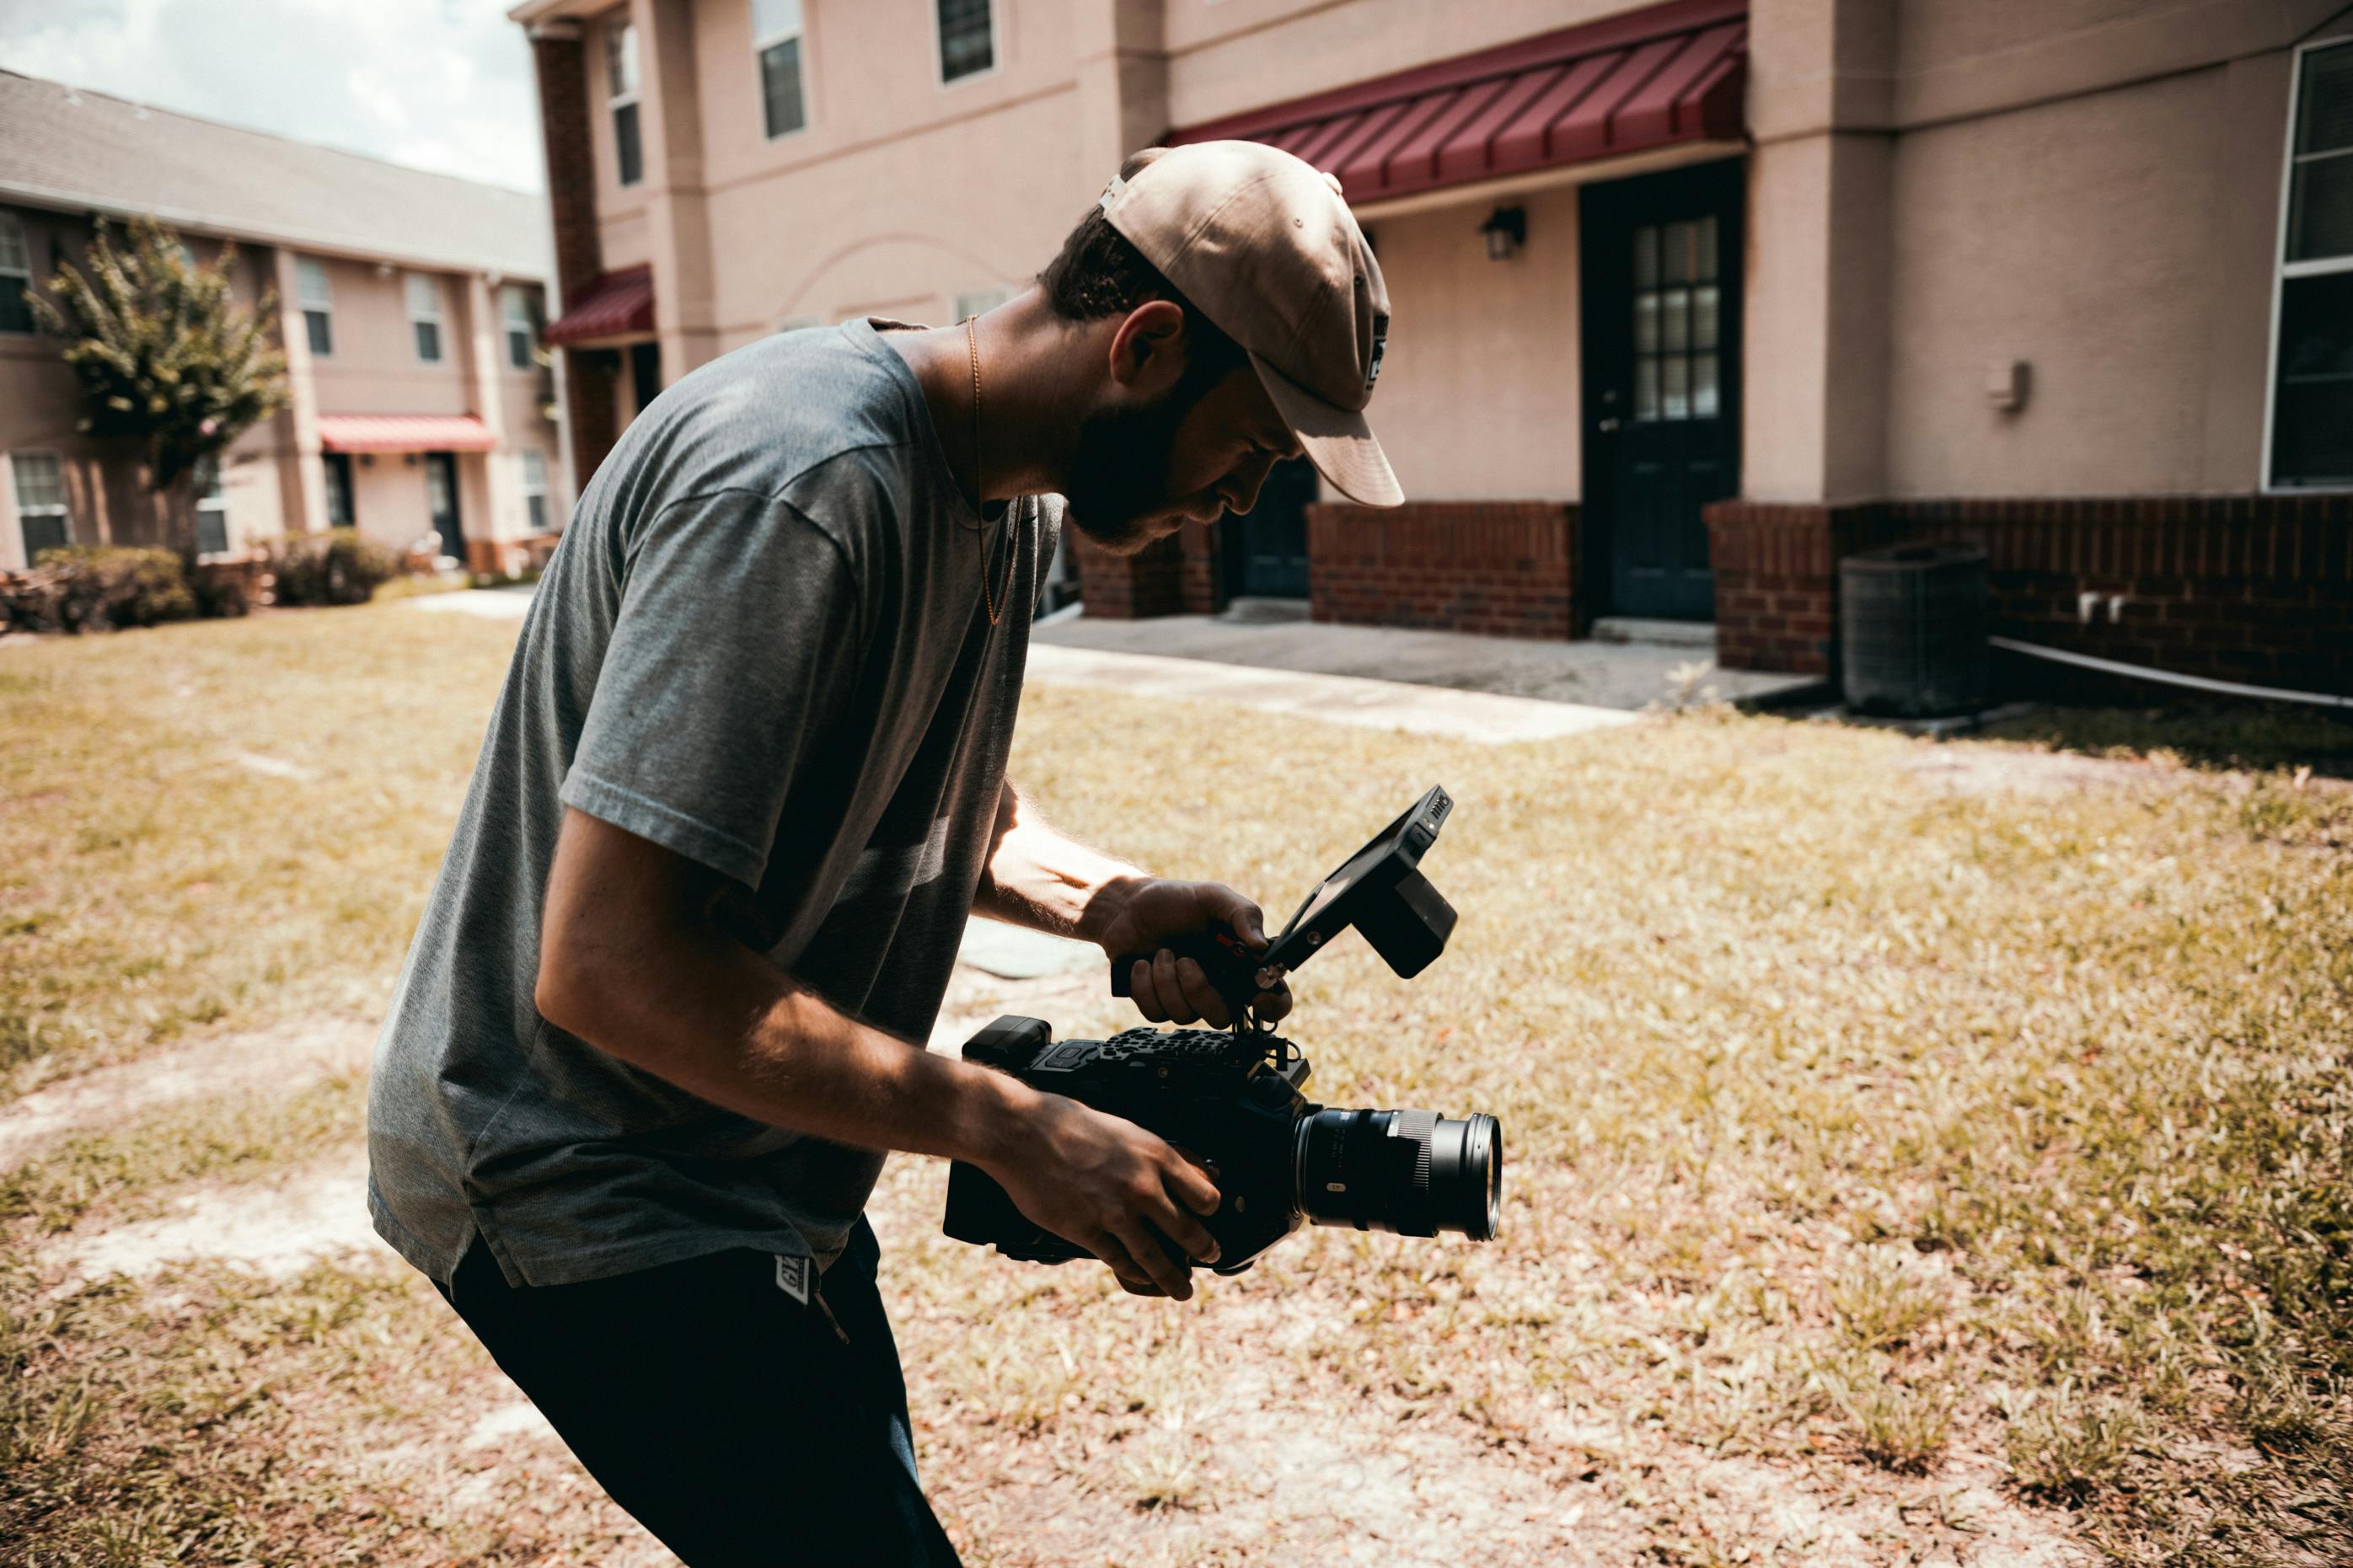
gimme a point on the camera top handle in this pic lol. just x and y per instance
(1379, 890)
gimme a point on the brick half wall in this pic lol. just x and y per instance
(1495, 568)
(2248, 588)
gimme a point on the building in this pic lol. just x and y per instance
(407, 308)
(1692, 298)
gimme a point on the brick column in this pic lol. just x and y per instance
(1130, 587)
(561, 64)
(1495, 568)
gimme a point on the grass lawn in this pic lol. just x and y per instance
(1916, 1154)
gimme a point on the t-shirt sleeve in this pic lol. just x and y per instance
(735, 643)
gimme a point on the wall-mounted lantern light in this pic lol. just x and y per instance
(1506, 229)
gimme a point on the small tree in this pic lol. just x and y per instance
(165, 356)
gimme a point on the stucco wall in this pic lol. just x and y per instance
(1478, 395)
(374, 368)
(2117, 242)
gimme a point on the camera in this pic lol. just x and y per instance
(1234, 1098)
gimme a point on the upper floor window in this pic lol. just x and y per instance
(318, 302)
(2312, 393)
(776, 39)
(16, 275)
(621, 86)
(521, 314)
(534, 489)
(425, 315)
(40, 502)
(967, 38)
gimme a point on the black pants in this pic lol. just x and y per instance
(737, 1424)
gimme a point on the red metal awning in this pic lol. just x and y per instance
(615, 305)
(1672, 73)
(404, 433)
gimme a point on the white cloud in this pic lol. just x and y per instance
(443, 85)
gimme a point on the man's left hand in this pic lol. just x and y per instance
(1153, 911)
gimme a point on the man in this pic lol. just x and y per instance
(741, 792)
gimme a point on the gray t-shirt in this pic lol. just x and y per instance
(762, 645)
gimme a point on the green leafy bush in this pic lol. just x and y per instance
(96, 588)
(337, 567)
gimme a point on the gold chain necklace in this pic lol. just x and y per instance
(995, 601)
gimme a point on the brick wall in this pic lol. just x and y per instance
(2250, 588)
(1131, 587)
(1499, 568)
(561, 66)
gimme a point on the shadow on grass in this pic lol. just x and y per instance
(2257, 737)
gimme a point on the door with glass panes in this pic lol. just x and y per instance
(1660, 260)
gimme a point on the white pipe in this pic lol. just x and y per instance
(2196, 683)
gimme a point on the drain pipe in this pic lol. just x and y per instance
(2194, 682)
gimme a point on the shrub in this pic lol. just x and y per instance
(337, 567)
(95, 588)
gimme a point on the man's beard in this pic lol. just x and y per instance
(1118, 484)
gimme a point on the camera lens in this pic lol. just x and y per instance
(1413, 1173)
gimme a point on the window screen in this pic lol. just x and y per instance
(425, 316)
(2320, 183)
(318, 302)
(212, 510)
(40, 501)
(967, 38)
(15, 274)
(2312, 398)
(621, 84)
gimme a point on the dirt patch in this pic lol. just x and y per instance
(279, 1227)
(1965, 768)
(289, 1056)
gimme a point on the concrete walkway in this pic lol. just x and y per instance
(1264, 636)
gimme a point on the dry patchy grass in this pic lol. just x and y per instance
(1895, 1174)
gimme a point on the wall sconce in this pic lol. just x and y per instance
(1506, 229)
(367, 459)
(2007, 383)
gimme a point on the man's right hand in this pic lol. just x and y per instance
(1105, 1183)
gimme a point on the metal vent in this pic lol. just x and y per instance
(1912, 628)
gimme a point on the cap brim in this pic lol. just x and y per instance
(1337, 441)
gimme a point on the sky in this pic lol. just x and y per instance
(443, 85)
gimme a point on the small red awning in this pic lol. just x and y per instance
(615, 305)
(404, 433)
(1650, 78)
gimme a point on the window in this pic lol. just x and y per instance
(425, 315)
(776, 39)
(15, 274)
(534, 491)
(522, 315)
(1677, 306)
(40, 502)
(338, 467)
(977, 302)
(318, 302)
(621, 85)
(967, 38)
(2311, 389)
(212, 510)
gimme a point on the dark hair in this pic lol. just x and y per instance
(1100, 273)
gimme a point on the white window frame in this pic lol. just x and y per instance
(2285, 270)
(60, 508)
(16, 277)
(211, 497)
(620, 49)
(940, 49)
(321, 302)
(760, 45)
(431, 286)
(535, 488)
(515, 316)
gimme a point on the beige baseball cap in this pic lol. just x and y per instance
(1263, 244)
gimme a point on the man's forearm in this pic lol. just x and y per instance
(1037, 877)
(707, 1014)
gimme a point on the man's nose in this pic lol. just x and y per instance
(1246, 487)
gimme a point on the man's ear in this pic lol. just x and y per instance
(1147, 352)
